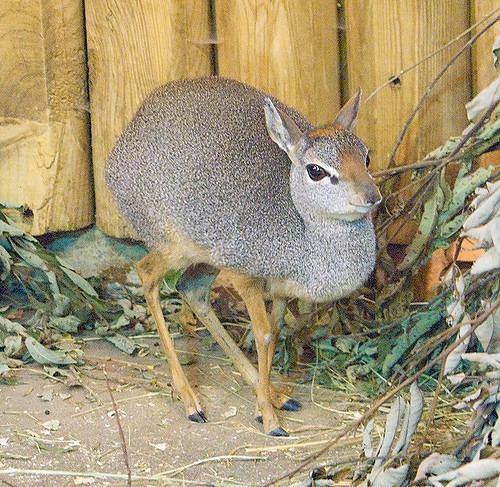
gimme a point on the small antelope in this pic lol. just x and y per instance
(216, 175)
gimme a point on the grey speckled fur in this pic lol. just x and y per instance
(198, 156)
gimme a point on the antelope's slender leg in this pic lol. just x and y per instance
(251, 291)
(279, 400)
(151, 269)
(194, 286)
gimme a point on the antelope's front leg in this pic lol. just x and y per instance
(251, 291)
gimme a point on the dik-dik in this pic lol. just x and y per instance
(216, 175)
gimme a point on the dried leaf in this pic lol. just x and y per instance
(12, 326)
(123, 343)
(483, 101)
(367, 439)
(5, 262)
(435, 464)
(416, 409)
(392, 477)
(62, 305)
(13, 345)
(487, 262)
(491, 359)
(44, 356)
(454, 357)
(160, 446)
(51, 425)
(483, 212)
(10, 230)
(391, 426)
(478, 470)
(488, 333)
(66, 324)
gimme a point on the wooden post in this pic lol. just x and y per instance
(285, 47)
(133, 47)
(44, 138)
(386, 36)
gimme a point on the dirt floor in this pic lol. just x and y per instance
(68, 424)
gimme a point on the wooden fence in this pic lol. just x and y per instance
(310, 53)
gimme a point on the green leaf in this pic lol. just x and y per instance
(80, 282)
(424, 323)
(54, 287)
(44, 356)
(31, 258)
(425, 229)
(464, 186)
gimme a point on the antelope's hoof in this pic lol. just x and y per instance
(198, 417)
(279, 431)
(259, 419)
(291, 405)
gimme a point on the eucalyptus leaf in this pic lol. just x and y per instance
(427, 224)
(51, 277)
(12, 326)
(122, 321)
(80, 282)
(391, 426)
(10, 230)
(44, 356)
(66, 324)
(5, 262)
(367, 439)
(424, 321)
(123, 343)
(463, 188)
(391, 477)
(31, 258)
(13, 345)
(62, 305)
(413, 413)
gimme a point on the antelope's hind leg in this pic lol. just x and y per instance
(151, 269)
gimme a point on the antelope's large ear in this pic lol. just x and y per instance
(348, 113)
(282, 129)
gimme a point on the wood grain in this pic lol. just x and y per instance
(133, 47)
(288, 48)
(44, 140)
(484, 71)
(385, 36)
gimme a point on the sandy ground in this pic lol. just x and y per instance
(85, 438)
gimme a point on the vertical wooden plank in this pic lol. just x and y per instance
(385, 36)
(482, 60)
(43, 114)
(285, 47)
(484, 71)
(133, 47)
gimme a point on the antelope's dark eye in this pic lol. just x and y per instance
(367, 160)
(315, 172)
